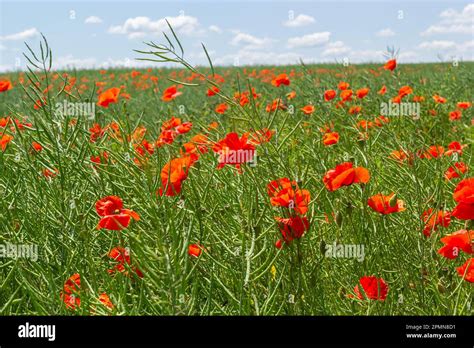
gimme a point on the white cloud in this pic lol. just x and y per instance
(70, 62)
(23, 35)
(251, 57)
(141, 26)
(299, 21)
(309, 40)
(215, 29)
(453, 22)
(249, 41)
(387, 32)
(336, 48)
(437, 45)
(93, 20)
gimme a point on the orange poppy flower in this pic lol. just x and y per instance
(346, 95)
(291, 95)
(361, 93)
(71, 288)
(343, 85)
(390, 65)
(344, 175)
(382, 90)
(455, 242)
(330, 138)
(109, 96)
(4, 140)
(467, 270)
(381, 204)
(174, 173)
(438, 99)
(281, 79)
(433, 151)
(105, 300)
(404, 91)
(308, 109)
(114, 216)
(221, 108)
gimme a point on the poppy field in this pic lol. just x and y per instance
(324, 189)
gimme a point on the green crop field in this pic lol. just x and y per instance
(236, 191)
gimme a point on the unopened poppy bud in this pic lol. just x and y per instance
(393, 201)
(322, 247)
(338, 219)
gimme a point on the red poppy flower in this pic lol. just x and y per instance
(281, 79)
(381, 204)
(212, 91)
(122, 256)
(464, 105)
(464, 196)
(433, 151)
(455, 115)
(467, 270)
(456, 170)
(194, 250)
(344, 175)
(286, 193)
(5, 85)
(234, 151)
(71, 288)
(434, 218)
(390, 65)
(170, 93)
(109, 96)
(114, 217)
(454, 147)
(329, 94)
(292, 228)
(382, 90)
(374, 288)
(455, 242)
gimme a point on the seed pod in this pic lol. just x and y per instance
(393, 201)
(338, 219)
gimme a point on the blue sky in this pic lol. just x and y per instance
(86, 34)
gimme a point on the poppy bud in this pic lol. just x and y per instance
(338, 219)
(349, 208)
(393, 201)
(322, 247)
